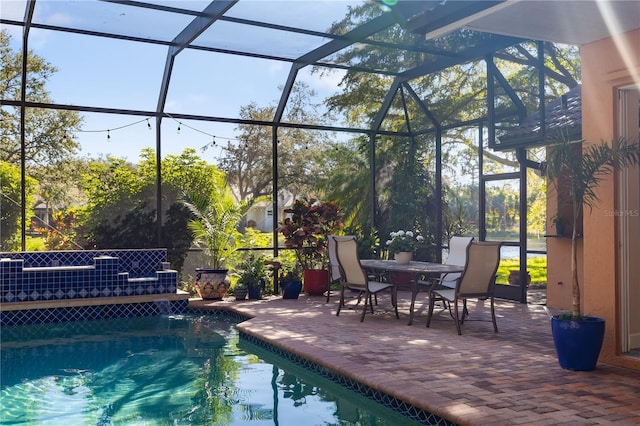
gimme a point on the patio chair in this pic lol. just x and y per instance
(353, 277)
(457, 256)
(334, 265)
(477, 281)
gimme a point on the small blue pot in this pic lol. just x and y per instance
(291, 289)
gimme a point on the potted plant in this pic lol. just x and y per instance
(578, 337)
(291, 285)
(559, 221)
(289, 278)
(240, 291)
(306, 232)
(215, 218)
(252, 274)
(403, 244)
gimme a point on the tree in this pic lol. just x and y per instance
(248, 161)
(452, 95)
(576, 169)
(48, 133)
(121, 208)
(10, 205)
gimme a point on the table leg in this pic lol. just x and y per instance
(414, 294)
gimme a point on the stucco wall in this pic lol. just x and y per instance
(607, 65)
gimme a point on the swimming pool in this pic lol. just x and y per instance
(178, 370)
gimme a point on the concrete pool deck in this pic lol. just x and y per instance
(480, 378)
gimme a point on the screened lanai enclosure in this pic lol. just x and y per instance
(393, 86)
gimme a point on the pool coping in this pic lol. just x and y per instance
(91, 301)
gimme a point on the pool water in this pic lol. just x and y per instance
(170, 370)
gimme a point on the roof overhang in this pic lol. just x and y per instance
(566, 21)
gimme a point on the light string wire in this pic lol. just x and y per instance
(180, 124)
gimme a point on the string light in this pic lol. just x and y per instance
(180, 124)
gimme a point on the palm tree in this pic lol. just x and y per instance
(216, 217)
(579, 173)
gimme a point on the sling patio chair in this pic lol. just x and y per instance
(457, 256)
(354, 277)
(477, 281)
(334, 265)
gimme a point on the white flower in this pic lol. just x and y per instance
(409, 234)
(420, 238)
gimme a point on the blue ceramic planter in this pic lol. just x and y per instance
(291, 289)
(578, 343)
(256, 290)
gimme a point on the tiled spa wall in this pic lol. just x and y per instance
(73, 275)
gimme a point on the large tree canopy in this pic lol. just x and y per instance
(121, 209)
(48, 133)
(248, 161)
(405, 166)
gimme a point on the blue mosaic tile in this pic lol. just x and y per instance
(86, 313)
(87, 274)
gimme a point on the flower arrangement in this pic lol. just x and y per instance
(404, 241)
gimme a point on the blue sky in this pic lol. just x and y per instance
(101, 72)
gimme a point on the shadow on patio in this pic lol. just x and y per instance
(481, 377)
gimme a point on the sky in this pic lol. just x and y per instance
(101, 72)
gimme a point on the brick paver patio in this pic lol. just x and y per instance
(480, 378)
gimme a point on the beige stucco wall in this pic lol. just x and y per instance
(605, 69)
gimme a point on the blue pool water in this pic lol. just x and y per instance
(170, 370)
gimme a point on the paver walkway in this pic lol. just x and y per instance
(480, 378)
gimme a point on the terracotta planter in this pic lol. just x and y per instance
(316, 281)
(514, 277)
(211, 284)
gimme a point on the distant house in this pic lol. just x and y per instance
(260, 216)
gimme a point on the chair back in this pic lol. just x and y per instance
(458, 257)
(334, 265)
(347, 253)
(479, 275)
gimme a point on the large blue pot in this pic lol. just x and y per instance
(578, 343)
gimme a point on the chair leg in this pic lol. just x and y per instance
(456, 318)
(341, 303)
(394, 300)
(493, 316)
(465, 311)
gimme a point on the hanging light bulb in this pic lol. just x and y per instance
(214, 140)
(179, 127)
(108, 135)
(148, 124)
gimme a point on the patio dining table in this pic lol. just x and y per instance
(419, 271)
